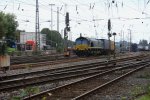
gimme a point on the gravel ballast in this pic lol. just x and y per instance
(126, 89)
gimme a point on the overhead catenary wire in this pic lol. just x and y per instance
(30, 4)
(80, 5)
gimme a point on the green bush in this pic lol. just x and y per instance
(3, 48)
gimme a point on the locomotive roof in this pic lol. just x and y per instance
(91, 39)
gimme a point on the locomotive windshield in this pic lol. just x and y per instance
(81, 41)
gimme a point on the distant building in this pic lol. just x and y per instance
(30, 36)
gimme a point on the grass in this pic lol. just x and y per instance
(26, 92)
(145, 76)
(11, 50)
(145, 97)
(137, 90)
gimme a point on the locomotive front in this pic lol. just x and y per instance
(81, 46)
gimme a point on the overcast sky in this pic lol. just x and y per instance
(88, 17)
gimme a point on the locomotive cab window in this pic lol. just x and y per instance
(78, 42)
(81, 41)
(84, 42)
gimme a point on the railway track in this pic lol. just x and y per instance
(38, 64)
(27, 79)
(51, 62)
(82, 89)
(34, 59)
(41, 58)
(58, 61)
(2, 78)
(53, 76)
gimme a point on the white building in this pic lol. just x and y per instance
(30, 36)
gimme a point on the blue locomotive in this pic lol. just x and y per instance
(89, 46)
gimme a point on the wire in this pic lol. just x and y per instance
(130, 7)
(79, 18)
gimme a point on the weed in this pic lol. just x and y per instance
(26, 92)
(124, 98)
(145, 76)
(137, 90)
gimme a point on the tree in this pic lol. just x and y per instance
(11, 26)
(3, 26)
(53, 37)
(143, 42)
(8, 25)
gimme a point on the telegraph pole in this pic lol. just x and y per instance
(37, 33)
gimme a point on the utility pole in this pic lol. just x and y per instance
(109, 35)
(120, 41)
(123, 45)
(52, 15)
(66, 30)
(130, 40)
(58, 19)
(37, 33)
(57, 23)
(51, 20)
(114, 34)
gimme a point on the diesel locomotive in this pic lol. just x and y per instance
(89, 46)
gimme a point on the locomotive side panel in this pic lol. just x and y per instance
(105, 44)
(95, 43)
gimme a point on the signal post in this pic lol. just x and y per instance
(66, 31)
